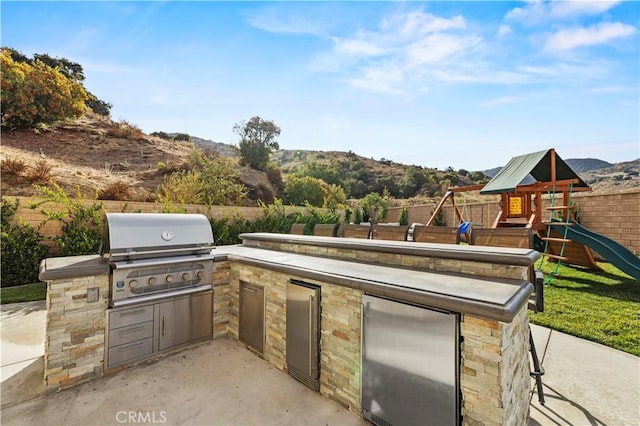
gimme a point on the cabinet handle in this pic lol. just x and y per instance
(311, 337)
(163, 326)
(134, 312)
(133, 346)
(132, 329)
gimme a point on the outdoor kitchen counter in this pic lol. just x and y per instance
(490, 298)
(55, 268)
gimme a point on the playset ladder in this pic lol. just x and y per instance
(565, 223)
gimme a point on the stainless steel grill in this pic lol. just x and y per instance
(157, 255)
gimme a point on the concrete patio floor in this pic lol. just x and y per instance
(221, 383)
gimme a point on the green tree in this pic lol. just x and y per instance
(326, 171)
(257, 142)
(302, 190)
(72, 70)
(37, 93)
(375, 206)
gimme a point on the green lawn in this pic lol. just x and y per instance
(23, 293)
(600, 306)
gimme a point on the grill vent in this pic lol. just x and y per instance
(379, 420)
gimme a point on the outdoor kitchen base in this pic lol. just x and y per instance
(483, 290)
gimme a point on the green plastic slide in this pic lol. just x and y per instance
(612, 251)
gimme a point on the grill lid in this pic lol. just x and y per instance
(130, 236)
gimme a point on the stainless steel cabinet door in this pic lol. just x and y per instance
(303, 339)
(185, 319)
(410, 362)
(252, 316)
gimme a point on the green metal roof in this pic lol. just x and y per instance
(528, 169)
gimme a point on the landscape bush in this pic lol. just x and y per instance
(125, 130)
(116, 191)
(41, 172)
(13, 167)
(211, 181)
(21, 249)
(81, 225)
(33, 92)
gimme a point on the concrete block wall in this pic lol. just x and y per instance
(615, 215)
(340, 330)
(75, 338)
(494, 375)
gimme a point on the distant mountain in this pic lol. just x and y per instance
(578, 165)
(492, 172)
(223, 149)
(581, 165)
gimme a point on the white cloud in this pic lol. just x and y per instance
(504, 30)
(394, 57)
(561, 9)
(274, 21)
(357, 47)
(419, 23)
(615, 89)
(570, 38)
(436, 48)
(541, 12)
(505, 100)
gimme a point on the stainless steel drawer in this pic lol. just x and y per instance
(130, 316)
(120, 336)
(130, 351)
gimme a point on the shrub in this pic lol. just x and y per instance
(182, 137)
(35, 93)
(305, 189)
(22, 249)
(357, 215)
(81, 226)
(41, 172)
(116, 191)
(125, 130)
(403, 218)
(13, 167)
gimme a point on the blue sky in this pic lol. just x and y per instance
(437, 84)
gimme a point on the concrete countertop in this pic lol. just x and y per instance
(500, 255)
(491, 298)
(54, 268)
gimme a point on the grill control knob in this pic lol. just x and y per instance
(152, 281)
(133, 283)
(169, 278)
(186, 276)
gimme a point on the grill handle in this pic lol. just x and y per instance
(160, 296)
(134, 253)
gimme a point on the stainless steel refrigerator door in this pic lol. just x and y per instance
(303, 333)
(410, 364)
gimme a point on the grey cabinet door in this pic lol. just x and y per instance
(185, 319)
(252, 316)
